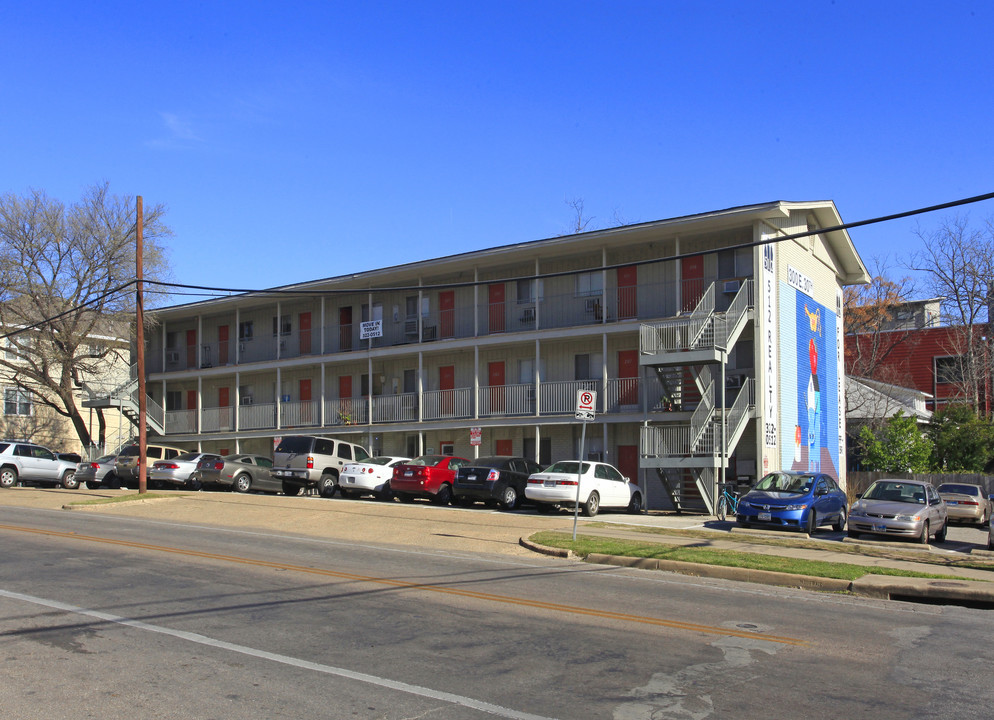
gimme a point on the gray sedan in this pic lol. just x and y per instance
(242, 472)
(901, 508)
(94, 472)
(180, 470)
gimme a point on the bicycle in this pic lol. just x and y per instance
(726, 501)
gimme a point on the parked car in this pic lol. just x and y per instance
(371, 477)
(966, 502)
(71, 457)
(94, 473)
(126, 466)
(180, 470)
(22, 461)
(307, 461)
(428, 476)
(242, 472)
(901, 508)
(794, 500)
(499, 479)
(600, 485)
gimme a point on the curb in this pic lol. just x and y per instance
(972, 593)
(101, 506)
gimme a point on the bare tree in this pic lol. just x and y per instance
(957, 264)
(579, 221)
(67, 296)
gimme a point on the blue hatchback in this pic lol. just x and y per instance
(798, 501)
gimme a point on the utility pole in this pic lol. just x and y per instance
(140, 340)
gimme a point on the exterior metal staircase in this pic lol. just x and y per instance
(689, 453)
(125, 398)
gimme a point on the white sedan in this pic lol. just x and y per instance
(370, 477)
(600, 485)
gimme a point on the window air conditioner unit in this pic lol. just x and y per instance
(247, 400)
(733, 381)
(241, 347)
(282, 345)
(731, 286)
(592, 304)
(172, 357)
(528, 315)
(411, 327)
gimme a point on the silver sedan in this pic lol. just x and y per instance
(241, 472)
(900, 508)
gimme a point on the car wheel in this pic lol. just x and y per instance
(983, 519)
(444, 495)
(722, 510)
(327, 486)
(923, 538)
(543, 508)
(8, 478)
(940, 535)
(242, 483)
(194, 484)
(386, 494)
(509, 498)
(69, 481)
(840, 524)
(812, 523)
(92, 484)
(291, 488)
(592, 505)
(635, 504)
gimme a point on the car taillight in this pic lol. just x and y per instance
(95, 466)
(218, 464)
(493, 475)
(167, 466)
(968, 502)
(566, 482)
(310, 462)
(535, 481)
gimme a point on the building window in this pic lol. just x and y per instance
(285, 326)
(588, 367)
(527, 293)
(174, 400)
(949, 369)
(246, 330)
(16, 401)
(590, 284)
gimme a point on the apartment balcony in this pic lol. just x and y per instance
(557, 398)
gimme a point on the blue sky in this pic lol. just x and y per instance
(302, 140)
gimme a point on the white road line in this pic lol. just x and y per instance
(284, 659)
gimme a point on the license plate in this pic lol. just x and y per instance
(471, 477)
(550, 483)
(764, 517)
(408, 473)
(349, 480)
(880, 528)
(952, 502)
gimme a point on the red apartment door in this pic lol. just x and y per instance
(628, 377)
(627, 292)
(628, 461)
(496, 317)
(447, 384)
(344, 399)
(345, 332)
(304, 389)
(222, 345)
(692, 275)
(505, 447)
(305, 333)
(191, 348)
(447, 313)
(191, 404)
(224, 401)
(495, 379)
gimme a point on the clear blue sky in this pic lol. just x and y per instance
(300, 140)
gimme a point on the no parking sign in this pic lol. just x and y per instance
(586, 400)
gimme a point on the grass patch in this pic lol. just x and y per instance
(124, 498)
(585, 545)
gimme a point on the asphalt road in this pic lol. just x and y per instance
(106, 616)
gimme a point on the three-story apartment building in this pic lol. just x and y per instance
(714, 347)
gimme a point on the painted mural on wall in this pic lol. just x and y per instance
(809, 399)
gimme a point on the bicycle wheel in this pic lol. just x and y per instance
(722, 509)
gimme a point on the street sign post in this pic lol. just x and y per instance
(475, 435)
(586, 403)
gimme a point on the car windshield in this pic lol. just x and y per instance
(960, 489)
(428, 460)
(796, 484)
(567, 467)
(894, 491)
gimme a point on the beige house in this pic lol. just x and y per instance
(711, 345)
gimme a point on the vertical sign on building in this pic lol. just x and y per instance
(770, 369)
(841, 377)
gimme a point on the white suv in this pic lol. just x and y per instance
(25, 461)
(306, 461)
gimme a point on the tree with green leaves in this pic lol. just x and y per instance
(962, 440)
(897, 446)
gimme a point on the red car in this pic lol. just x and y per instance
(428, 476)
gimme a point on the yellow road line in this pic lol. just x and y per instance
(489, 597)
